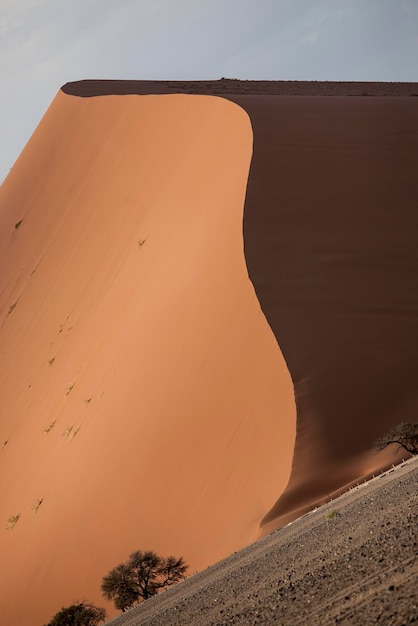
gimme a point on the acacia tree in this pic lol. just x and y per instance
(79, 614)
(142, 576)
(120, 586)
(405, 435)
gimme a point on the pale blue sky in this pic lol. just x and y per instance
(45, 43)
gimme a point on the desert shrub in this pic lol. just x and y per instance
(79, 614)
(142, 576)
(332, 514)
(404, 435)
(12, 521)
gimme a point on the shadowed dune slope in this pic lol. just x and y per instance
(331, 246)
(145, 402)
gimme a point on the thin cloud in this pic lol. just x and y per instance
(321, 19)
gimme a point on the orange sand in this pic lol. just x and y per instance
(331, 245)
(128, 322)
(144, 398)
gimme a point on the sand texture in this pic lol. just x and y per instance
(208, 311)
(351, 562)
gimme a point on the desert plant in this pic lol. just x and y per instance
(12, 521)
(70, 432)
(405, 435)
(67, 432)
(79, 614)
(142, 576)
(36, 505)
(332, 514)
(11, 309)
(120, 586)
(49, 428)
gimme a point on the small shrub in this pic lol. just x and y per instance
(79, 614)
(69, 433)
(49, 428)
(332, 514)
(36, 505)
(12, 521)
(12, 308)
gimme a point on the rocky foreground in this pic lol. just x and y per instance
(352, 562)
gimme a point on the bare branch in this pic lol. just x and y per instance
(405, 435)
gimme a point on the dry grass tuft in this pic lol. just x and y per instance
(12, 521)
(49, 428)
(332, 514)
(36, 505)
(69, 433)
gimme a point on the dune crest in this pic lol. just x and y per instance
(145, 402)
(330, 231)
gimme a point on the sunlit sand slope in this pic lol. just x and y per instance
(145, 402)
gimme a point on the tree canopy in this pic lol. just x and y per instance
(79, 614)
(405, 435)
(142, 576)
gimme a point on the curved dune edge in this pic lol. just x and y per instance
(331, 247)
(331, 202)
(145, 403)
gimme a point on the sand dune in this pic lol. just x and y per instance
(331, 240)
(144, 397)
(147, 403)
(332, 202)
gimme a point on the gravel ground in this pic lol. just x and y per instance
(352, 562)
